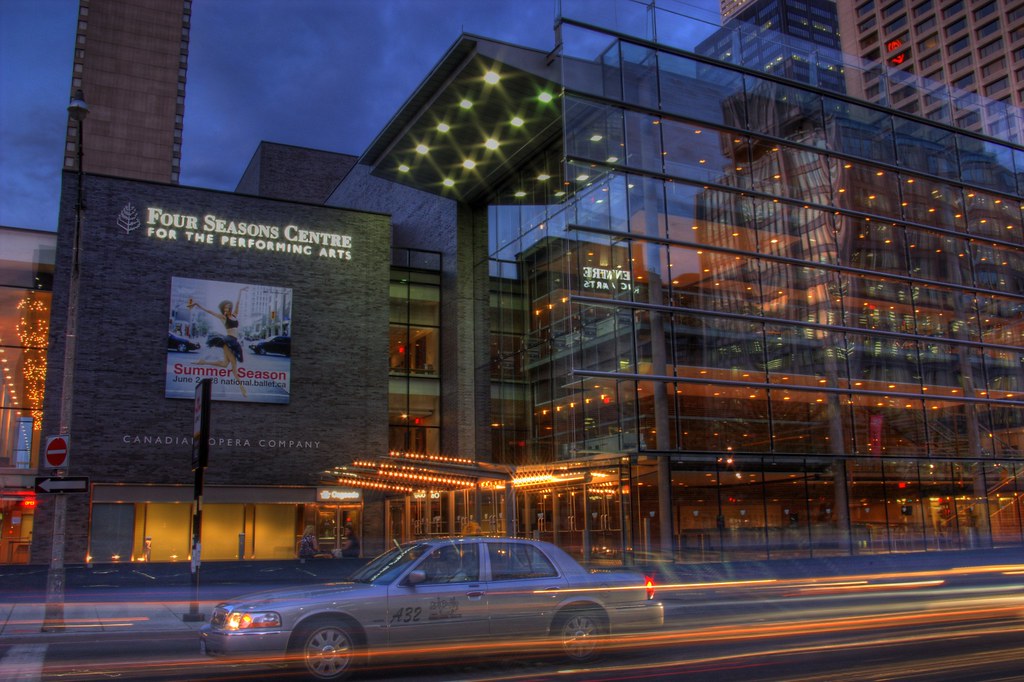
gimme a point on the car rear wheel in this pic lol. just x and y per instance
(327, 650)
(182, 347)
(579, 632)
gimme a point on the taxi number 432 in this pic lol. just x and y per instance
(409, 614)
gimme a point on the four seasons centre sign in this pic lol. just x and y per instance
(235, 234)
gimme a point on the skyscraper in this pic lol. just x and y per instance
(130, 62)
(967, 54)
(795, 40)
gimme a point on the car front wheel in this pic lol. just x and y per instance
(327, 650)
(579, 632)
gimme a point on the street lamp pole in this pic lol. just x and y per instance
(53, 619)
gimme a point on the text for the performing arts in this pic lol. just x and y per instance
(210, 229)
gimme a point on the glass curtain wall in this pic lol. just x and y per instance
(26, 291)
(817, 299)
(414, 404)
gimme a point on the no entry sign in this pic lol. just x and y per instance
(56, 452)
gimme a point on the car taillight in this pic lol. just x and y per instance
(649, 584)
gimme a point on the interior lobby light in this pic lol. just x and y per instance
(466, 104)
(422, 149)
(469, 163)
(545, 97)
(491, 143)
(491, 77)
(543, 176)
(443, 127)
(448, 182)
(517, 121)
(520, 194)
(403, 168)
(596, 137)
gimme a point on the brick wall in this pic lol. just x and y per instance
(123, 428)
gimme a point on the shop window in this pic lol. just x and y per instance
(169, 530)
(112, 533)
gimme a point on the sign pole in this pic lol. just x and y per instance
(53, 618)
(200, 457)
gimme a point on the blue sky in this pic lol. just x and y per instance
(326, 74)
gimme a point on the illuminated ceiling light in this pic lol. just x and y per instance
(491, 77)
(443, 127)
(517, 121)
(612, 159)
(466, 104)
(545, 97)
(491, 143)
(520, 194)
(582, 177)
(403, 168)
(543, 176)
(596, 138)
(559, 194)
(422, 149)
(448, 182)
(469, 163)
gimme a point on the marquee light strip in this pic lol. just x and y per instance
(432, 458)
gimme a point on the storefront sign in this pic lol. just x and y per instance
(230, 232)
(339, 495)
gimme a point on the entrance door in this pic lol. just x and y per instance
(331, 522)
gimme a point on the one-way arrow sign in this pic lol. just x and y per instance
(67, 484)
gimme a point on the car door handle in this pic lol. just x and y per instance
(552, 589)
(475, 594)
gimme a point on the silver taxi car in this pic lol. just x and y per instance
(436, 593)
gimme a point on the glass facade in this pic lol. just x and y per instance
(26, 291)
(414, 365)
(808, 306)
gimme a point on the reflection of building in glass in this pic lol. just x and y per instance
(794, 40)
(952, 62)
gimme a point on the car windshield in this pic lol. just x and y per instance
(390, 565)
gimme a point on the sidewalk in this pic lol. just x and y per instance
(155, 597)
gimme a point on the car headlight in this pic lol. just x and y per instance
(252, 620)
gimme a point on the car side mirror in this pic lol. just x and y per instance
(416, 577)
